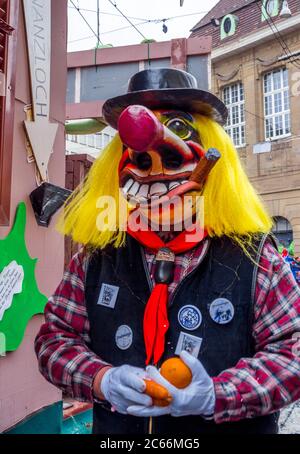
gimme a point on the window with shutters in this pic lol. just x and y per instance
(277, 104)
(9, 10)
(234, 99)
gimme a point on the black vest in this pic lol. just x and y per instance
(224, 272)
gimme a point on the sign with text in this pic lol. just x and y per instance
(11, 280)
(41, 132)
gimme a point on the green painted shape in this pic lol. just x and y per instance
(30, 301)
(46, 421)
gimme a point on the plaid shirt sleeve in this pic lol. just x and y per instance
(271, 379)
(61, 345)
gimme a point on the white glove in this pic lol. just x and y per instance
(124, 386)
(198, 398)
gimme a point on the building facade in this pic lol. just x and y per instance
(256, 71)
(28, 404)
(89, 143)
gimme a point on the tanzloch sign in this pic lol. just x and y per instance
(41, 133)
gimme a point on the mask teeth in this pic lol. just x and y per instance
(127, 186)
(146, 193)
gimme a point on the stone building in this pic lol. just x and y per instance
(256, 70)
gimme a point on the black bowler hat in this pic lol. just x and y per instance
(165, 88)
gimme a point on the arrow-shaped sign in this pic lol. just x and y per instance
(41, 133)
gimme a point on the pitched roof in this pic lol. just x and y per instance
(221, 9)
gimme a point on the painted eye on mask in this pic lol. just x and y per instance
(180, 128)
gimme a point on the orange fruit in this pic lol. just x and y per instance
(156, 391)
(176, 372)
(160, 396)
(161, 403)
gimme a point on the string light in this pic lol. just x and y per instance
(143, 21)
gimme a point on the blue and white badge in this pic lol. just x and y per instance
(108, 295)
(221, 311)
(124, 337)
(190, 317)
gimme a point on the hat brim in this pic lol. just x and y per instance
(188, 99)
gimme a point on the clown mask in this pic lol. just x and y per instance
(161, 150)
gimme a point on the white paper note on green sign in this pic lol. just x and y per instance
(11, 280)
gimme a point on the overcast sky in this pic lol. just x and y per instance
(81, 37)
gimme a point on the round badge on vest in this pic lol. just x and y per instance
(124, 337)
(221, 311)
(189, 317)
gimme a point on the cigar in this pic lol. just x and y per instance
(205, 165)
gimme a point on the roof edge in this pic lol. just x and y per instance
(198, 26)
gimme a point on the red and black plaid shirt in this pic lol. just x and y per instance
(254, 387)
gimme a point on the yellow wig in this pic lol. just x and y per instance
(232, 207)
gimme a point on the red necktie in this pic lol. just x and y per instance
(156, 321)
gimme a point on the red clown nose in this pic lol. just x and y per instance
(139, 128)
(141, 131)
